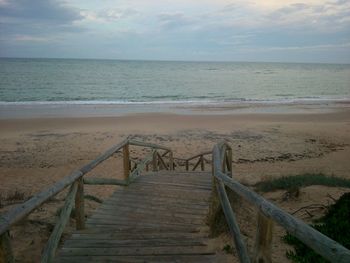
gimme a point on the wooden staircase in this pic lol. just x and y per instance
(160, 217)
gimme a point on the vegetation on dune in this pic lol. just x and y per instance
(302, 180)
(335, 224)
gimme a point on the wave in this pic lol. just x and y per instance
(194, 101)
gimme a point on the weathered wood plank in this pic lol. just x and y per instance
(104, 181)
(126, 161)
(124, 251)
(143, 259)
(80, 205)
(232, 223)
(52, 243)
(263, 243)
(86, 243)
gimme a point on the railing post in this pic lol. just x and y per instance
(171, 161)
(126, 161)
(263, 243)
(155, 161)
(202, 162)
(187, 165)
(229, 161)
(6, 255)
(79, 205)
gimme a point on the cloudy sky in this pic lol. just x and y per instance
(219, 30)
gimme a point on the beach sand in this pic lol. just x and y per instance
(35, 153)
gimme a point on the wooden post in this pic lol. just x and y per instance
(52, 244)
(229, 161)
(171, 161)
(147, 167)
(187, 165)
(202, 162)
(6, 255)
(126, 161)
(79, 205)
(263, 243)
(155, 161)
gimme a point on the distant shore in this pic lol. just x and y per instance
(19, 110)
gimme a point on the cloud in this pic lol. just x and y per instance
(108, 15)
(174, 20)
(48, 11)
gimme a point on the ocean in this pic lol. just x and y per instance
(75, 81)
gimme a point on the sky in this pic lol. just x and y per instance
(196, 30)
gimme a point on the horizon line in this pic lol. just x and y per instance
(180, 60)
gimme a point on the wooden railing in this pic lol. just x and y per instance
(75, 197)
(162, 158)
(267, 214)
(200, 161)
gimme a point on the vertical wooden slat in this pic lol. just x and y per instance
(202, 163)
(171, 161)
(187, 165)
(229, 161)
(155, 161)
(263, 243)
(79, 205)
(6, 255)
(232, 223)
(52, 244)
(126, 161)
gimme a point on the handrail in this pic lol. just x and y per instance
(201, 161)
(75, 179)
(320, 243)
(20, 211)
(222, 172)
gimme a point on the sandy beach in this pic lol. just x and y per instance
(36, 152)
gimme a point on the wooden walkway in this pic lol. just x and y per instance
(160, 217)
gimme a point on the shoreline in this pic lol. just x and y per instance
(82, 110)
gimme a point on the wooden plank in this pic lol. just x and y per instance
(197, 164)
(126, 161)
(149, 145)
(136, 201)
(143, 259)
(155, 161)
(164, 242)
(174, 185)
(232, 223)
(177, 215)
(123, 251)
(164, 165)
(135, 236)
(263, 243)
(146, 220)
(104, 181)
(52, 243)
(198, 155)
(80, 205)
(6, 254)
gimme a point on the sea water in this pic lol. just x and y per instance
(76, 81)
